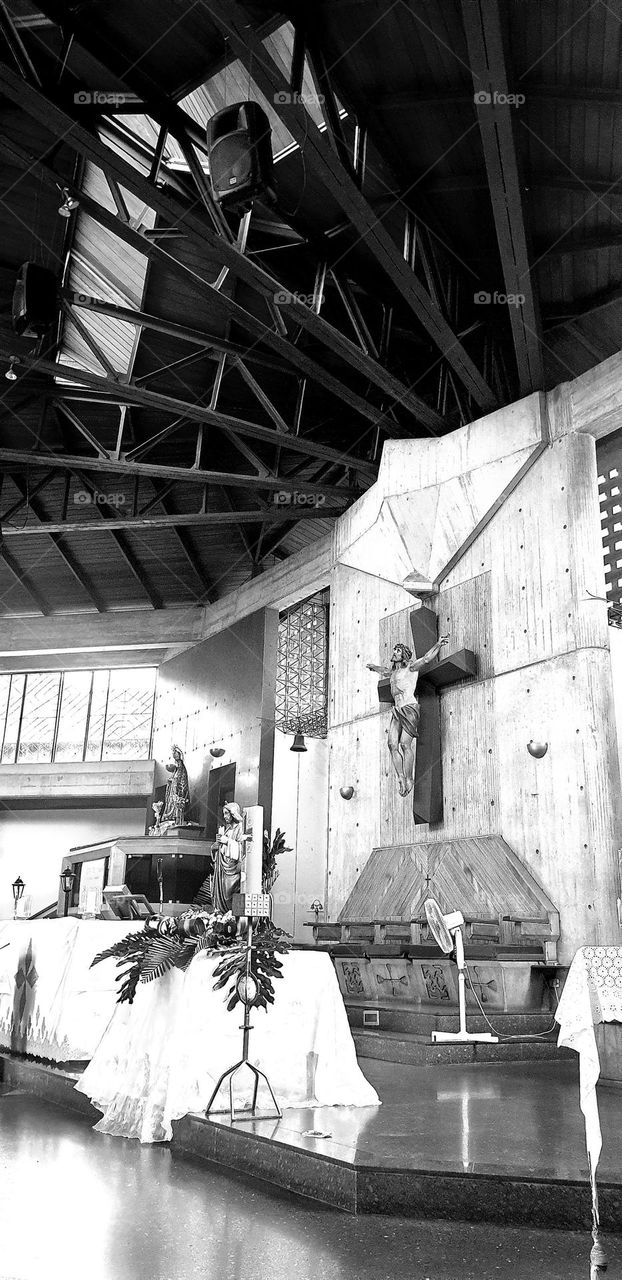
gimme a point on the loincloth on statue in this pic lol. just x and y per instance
(408, 719)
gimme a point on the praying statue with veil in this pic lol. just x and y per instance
(177, 796)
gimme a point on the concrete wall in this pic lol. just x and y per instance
(34, 842)
(300, 809)
(221, 693)
(516, 593)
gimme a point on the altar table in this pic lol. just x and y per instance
(162, 1056)
(592, 994)
(52, 1004)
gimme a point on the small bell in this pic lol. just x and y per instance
(299, 742)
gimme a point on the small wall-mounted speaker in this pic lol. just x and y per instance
(240, 152)
(34, 300)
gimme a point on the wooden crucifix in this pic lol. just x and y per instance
(428, 785)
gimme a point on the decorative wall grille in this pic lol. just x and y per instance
(609, 461)
(301, 704)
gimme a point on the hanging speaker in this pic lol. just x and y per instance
(240, 152)
(34, 300)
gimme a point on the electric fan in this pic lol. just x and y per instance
(447, 931)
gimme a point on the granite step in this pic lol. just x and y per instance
(418, 1050)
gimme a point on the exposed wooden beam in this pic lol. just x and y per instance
(56, 535)
(211, 343)
(24, 580)
(107, 514)
(208, 590)
(569, 245)
(557, 317)
(128, 393)
(181, 520)
(456, 183)
(203, 236)
(188, 475)
(85, 632)
(533, 90)
(324, 164)
(482, 23)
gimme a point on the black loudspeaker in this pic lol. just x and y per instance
(240, 152)
(34, 300)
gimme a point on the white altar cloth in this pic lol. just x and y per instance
(592, 994)
(52, 1004)
(162, 1056)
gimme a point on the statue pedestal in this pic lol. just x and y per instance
(132, 860)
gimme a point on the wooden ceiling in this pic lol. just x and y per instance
(445, 237)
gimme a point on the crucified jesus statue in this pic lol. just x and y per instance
(404, 726)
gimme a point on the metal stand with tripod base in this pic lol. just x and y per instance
(251, 905)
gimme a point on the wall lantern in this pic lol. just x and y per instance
(537, 749)
(346, 792)
(67, 877)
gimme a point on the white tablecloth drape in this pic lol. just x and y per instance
(592, 994)
(52, 1004)
(161, 1057)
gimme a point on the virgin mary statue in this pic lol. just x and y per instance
(177, 796)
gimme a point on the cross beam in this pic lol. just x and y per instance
(323, 163)
(201, 235)
(129, 393)
(185, 520)
(482, 22)
(189, 475)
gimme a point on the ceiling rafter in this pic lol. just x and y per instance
(57, 537)
(322, 162)
(51, 116)
(155, 253)
(211, 343)
(24, 580)
(128, 393)
(482, 23)
(189, 475)
(178, 522)
(208, 590)
(108, 515)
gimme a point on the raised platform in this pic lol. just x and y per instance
(487, 1142)
(403, 1034)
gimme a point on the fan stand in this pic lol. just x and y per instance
(462, 1036)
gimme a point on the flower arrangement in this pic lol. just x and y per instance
(270, 871)
(171, 942)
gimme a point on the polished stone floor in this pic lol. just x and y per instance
(74, 1203)
(518, 1119)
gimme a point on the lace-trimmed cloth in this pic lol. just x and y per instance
(160, 1057)
(592, 994)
